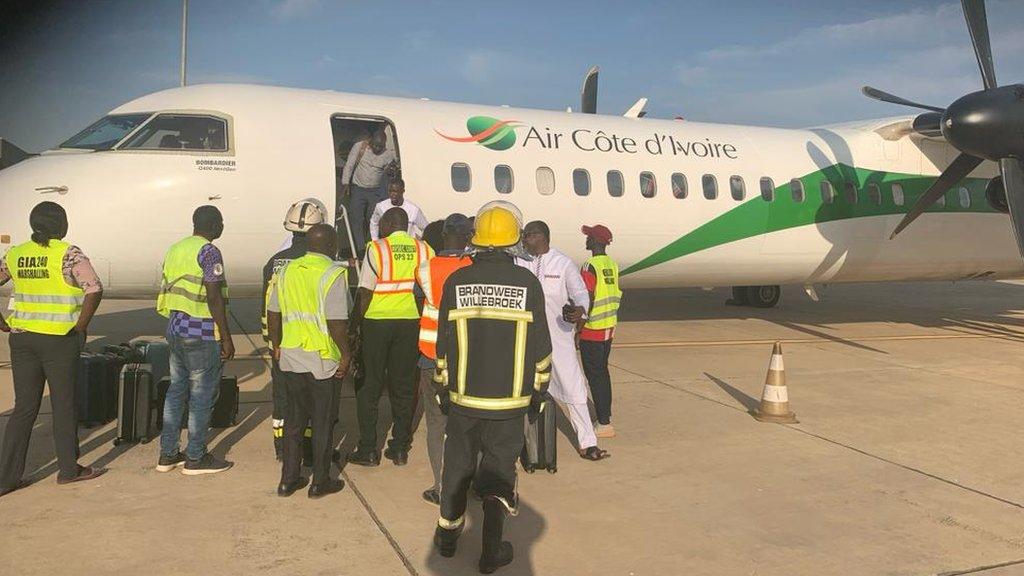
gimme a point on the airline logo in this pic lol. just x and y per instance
(488, 132)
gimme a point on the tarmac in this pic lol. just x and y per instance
(904, 461)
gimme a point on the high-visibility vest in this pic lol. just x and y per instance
(432, 275)
(395, 259)
(43, 302)
(604, 311)
(182, 286)
(302, 288)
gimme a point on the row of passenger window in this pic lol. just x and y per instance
(581, 184)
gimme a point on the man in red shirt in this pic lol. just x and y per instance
(601, 275)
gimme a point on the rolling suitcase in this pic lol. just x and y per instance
(157, 354)
(96, 389)
(225, 411)
(135, 405)
(541, 448)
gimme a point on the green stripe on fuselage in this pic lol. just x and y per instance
(757, 216)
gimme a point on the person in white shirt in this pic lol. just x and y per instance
(362, 179)
(563, 288)
(396, 198)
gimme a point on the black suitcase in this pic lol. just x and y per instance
(225, 411)
(157, 354)
(541, 448)
(135, 405)
(96, 389)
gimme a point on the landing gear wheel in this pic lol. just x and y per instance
(763, 296)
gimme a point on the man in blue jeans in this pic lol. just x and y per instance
(193, 296)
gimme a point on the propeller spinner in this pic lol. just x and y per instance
(983, 125)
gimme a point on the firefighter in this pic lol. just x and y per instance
(308, 323)
(389, 328)
(601, 275)
(301, 216)
(431, 277)
(493, 366)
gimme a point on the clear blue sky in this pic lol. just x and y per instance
(780, 63)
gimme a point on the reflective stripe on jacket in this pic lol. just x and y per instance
(302, 288)
(42, 302)
(395, 260)
(607, 295)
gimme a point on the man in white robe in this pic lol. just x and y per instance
(562, 283)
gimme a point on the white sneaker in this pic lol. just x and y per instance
(604, 431)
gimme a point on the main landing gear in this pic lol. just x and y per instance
(756, 296)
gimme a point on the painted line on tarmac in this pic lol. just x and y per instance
(704, 343)
(830, 441)
(380, 525)
(981, 568)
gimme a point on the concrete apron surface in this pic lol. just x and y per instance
(904, 460)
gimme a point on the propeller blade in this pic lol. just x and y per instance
(893, 99)
(977, 25)
(1013, 182)
(960, 168)
(588, 95)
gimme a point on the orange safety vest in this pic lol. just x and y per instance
(431, 276)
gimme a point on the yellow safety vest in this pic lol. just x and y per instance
(604, 311)
(182, 286)
(302, 288)
(395, 260)
(43, 302)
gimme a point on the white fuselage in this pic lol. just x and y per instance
(127, 207)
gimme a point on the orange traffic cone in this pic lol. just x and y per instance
(775, 398)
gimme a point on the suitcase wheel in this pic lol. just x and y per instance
(552, 469)
(529, 469)
(117, 441)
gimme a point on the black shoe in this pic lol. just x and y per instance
(325, 488)
(206, 465)
(502, 556)
(399, 457)
(286, 490)
(433, 496)
(168, 463)
(84, 473)
(364, 457)
(447, 540)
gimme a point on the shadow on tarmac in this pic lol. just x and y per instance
(522, 531)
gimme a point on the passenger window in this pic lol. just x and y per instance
(965, 198)
(581, 182)
(850, 189)
(828, 194)
(679, 185)
(181, 132)
(503, 179)
(648, 186)
(616, 187)
(897, 194)
(461, 180)
(710, 185)
(767, 189)
(737, 188)
(874, 194)
(545, 181)
(796, 186)
(941, 201)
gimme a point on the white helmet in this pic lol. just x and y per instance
(304, 214)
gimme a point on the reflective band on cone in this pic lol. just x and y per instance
(775, 397)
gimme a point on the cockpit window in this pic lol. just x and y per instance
(106, 132)
(180, 132)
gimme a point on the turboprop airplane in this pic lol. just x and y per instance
(690, 203)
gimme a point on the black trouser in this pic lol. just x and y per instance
(595, 366)
(390, 352)
(279, 391)
(496, 444)
(37, 359)
(309, 400)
